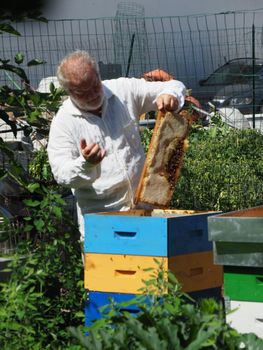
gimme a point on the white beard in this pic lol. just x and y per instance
(87, 107)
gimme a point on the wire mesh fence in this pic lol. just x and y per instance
(189, 47)
(219, 57)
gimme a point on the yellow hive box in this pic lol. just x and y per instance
(125, 273)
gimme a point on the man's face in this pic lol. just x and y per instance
(87, 94)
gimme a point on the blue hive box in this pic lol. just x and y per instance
(96, 300)
(147, 232)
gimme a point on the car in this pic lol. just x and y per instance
(232, 86)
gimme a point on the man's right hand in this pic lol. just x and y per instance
(92, 153)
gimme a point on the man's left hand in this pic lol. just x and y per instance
(166, 102)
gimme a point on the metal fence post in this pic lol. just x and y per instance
(253, 78)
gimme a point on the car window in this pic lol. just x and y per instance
(234, 73)
(219, 76)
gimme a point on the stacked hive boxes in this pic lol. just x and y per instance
(238, 246)
(119, 246)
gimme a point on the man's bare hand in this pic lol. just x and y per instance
(166, 102)
(92, 153)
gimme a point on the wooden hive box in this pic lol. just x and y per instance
(96, 300)
(246, 317)
(155, 232)
(238, 237)
(128, 303)
(243, 283)
(120, 246)
(126, 273)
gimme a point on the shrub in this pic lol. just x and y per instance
(165, 322)
(222, 169)
(44, 295)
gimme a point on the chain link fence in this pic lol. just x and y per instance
(191, 48)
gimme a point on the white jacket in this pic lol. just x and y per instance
(111, 184)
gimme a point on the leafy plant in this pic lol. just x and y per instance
(223, 169)
(39, 167)
(165, 321)
(23, 108)
(146, 136)
(44, 294)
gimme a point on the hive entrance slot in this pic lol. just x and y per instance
(123, 234)
(259, 280)
(124, 273)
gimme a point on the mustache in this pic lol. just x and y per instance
(87, 106)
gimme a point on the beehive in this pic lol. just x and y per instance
(238, 237)
(120, 247)
(238, 245)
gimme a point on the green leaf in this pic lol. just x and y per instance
(251, 342)
(79, 314)
(35, 98)
(32, 187)
(148, 269)
(28, 228)
(17, 70)
(12, 326)
(57, 211)
(19, 58)
(35, 62)
(8, 28)
(169, 332)
(201, 338)
(33, 116)
(52, 88)
(83, 340)
(32, 203)
(172, 278)
(39, 224)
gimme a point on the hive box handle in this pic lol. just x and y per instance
(259, 321)
(196, 233)
(130, 311)
(196, 271)
(124, 273)
(259, 280)
(122, 234)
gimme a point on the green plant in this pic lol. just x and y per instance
(146, 136)
(165, 321)
(44, 295)
(23, 108)
(39, 168)
(222, 169)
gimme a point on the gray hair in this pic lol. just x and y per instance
(79, 56)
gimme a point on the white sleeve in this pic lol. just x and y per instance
(141, 95)
(68, 166)
(154, 89)
(176, 89)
